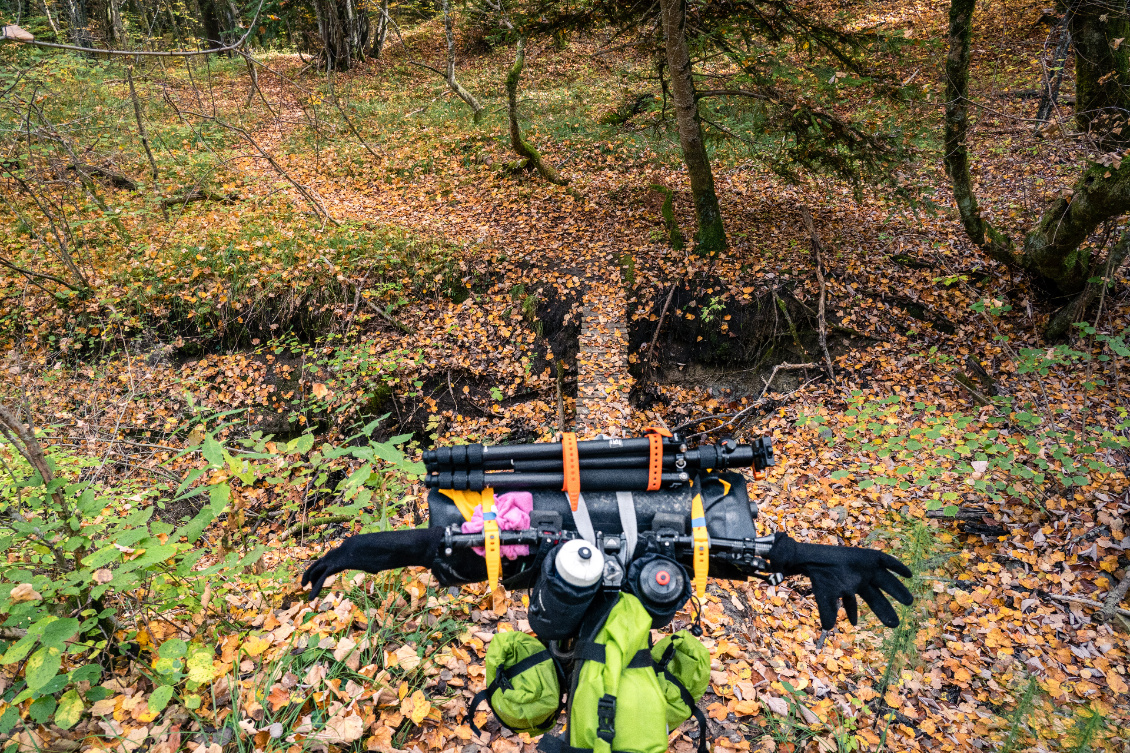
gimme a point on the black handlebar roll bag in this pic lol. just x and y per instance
(729, 515)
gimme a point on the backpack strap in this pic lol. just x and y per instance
(502, 681)
(688, 699)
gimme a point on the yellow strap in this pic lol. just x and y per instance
(493, 542)
(701, 546)
(465, 501)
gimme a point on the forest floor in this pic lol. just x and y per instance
(412, 273)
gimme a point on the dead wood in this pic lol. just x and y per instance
(817, 248)
(116, 179)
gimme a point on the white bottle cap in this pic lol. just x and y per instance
(579, 563)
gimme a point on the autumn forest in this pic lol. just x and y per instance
(259, 256)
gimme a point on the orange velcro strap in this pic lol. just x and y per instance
(655, 436)
(654, 461)
(572, 465)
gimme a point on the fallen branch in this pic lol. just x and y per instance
(817, 247)
(1110, 606)
(659, 324)
(199, 193)
(116, 179)
(785, 367)
(978, 397)
(1086, 602)
(16, 34)
(325, 521)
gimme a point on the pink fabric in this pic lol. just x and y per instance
(513, 510)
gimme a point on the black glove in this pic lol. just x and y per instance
(374, 553)
(841, 572)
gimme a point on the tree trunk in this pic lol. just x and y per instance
(711, 233)
(1102, 66)
(984, 235)
(212, 24)
(381, 31)
(520, 145)
(463, 94)
(344, 30)
(1059, 63)
(1051, 249)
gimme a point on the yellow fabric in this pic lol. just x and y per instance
(467, 501)
(464, 501)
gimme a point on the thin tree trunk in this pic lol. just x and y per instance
(463, 94)
(381, 31)
(711, 232)
(521, 146)
(50, 19)
(1059, 63)
(140, 122)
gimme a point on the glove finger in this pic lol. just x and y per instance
(852, 608)
(828, 603)
(312, 572)
(894, 564)
(317, 587)
(892, 585)
(879, 605)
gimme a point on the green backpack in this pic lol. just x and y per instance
(625, 695)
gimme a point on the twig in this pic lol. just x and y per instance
(376, 309)
(816, 249)
(785, 367)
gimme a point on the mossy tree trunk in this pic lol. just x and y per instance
(1051, 250)
(711, 232)
(520, 145)
(1102, 65)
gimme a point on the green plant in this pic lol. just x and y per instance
(1018, 720)
(1088, 726)
(713, 309)
(76, 551)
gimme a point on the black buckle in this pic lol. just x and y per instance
(606, 718)
(503, 679)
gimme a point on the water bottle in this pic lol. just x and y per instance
(570, 578)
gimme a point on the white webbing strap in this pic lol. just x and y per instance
(627, 506)
(583, 522)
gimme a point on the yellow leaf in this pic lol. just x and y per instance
(416, 707)
(255, 646)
